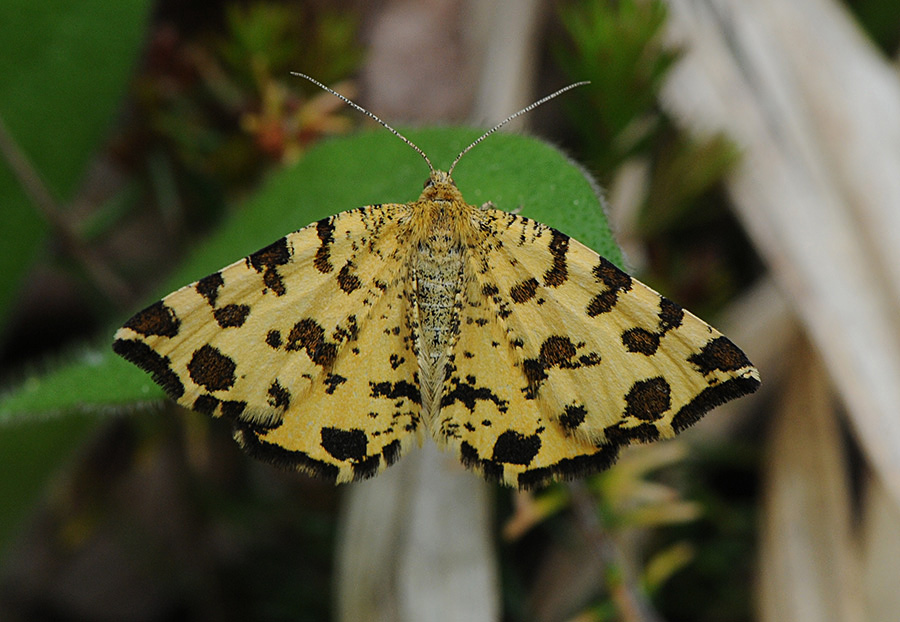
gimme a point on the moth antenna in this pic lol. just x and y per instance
(370, 115)
(527, 108)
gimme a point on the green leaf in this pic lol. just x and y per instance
(511, 171)
(63, 69)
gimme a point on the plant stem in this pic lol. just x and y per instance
(100, 275)
(625, 593)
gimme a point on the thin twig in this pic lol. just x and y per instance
(101, 277)
(628, 598)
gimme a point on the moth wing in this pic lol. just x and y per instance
(562, 358)
(304, 345)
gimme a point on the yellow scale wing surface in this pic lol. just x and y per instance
(562, 358)
(302, 345)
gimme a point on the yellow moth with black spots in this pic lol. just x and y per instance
(340, 346)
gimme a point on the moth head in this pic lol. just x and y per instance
(440, 187)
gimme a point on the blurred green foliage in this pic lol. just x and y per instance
(617, 46)
(63, 70)
(881, 21)
(219, 109)
(684, 220)
(722, 480)
(265, 40)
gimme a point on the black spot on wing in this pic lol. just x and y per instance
(396, 390)
(231, 316)
(608, 274)
(391, 453)
(468, 455)
(274, 255)
(490, 290)
(535, 374)
(205, 404)
(365, 469)
(347, 280)
(648, 399)
(670, 315)
(719, 354)
(559, 272)
(267, 260)
(711, 397)
(616, 282)
(556, 351)
(524, 291)
(344, 444)
(308, 335)
(208, 287)
(234, 409)
(332, 382)
(273, 281)
(640, 340)
(588, 360)
(152, 362)
(624, 435)
(157, 320)
(228, 409)
(572, 417)
(522, 446)
(492, 471)
(211, 369)
(514, 448)
(602, 302)
(273, 339)
(347, 331)
(283, 458)
(279, 397)
(467, 392)
(645, 341)
(570, 468)
(325, 231)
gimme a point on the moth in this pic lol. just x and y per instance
(339, 347)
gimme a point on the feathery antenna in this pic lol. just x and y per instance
(527, 108)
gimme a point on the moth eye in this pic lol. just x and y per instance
(428, 182)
